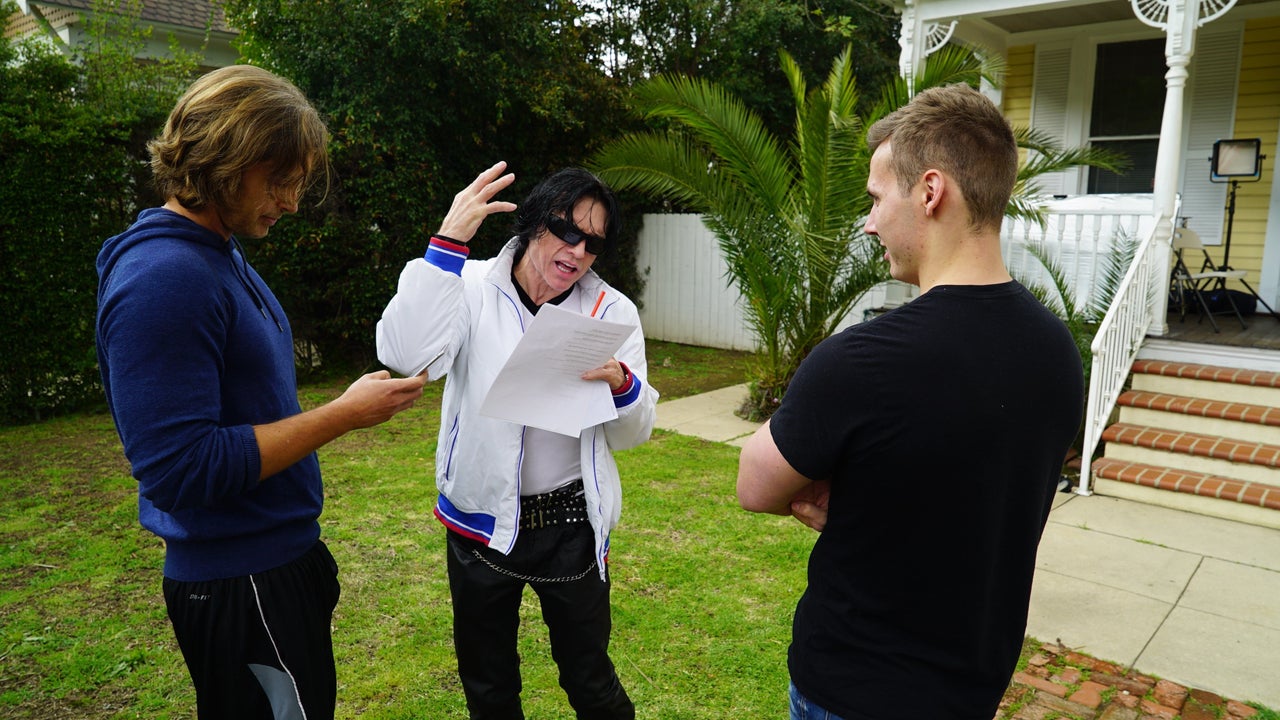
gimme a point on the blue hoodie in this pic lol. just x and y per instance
(194, 351)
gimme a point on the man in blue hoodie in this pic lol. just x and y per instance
(196, 356)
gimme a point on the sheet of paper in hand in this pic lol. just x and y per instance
(541, 383)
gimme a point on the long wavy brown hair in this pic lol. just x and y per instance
(230, 120)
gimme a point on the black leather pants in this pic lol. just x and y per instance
(558, 562)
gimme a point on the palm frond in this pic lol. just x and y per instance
(1026, 205)
(734, 136)
(1111, 269)
(960, 64)
(1041, 163)
(659, 165)
(1058, 296)
(1029, 138)
(1045, 155)
(949, 65)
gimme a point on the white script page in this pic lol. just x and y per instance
(541, 384)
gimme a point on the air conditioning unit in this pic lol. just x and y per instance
(897, 293)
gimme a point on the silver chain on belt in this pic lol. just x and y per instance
(529, 578)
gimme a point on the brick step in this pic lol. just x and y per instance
(1239, 412)
(1191, 483)
(1243, 421)
(1253, 378)
(1194, 452)
(1197, 438)
(1209, 446)
(1233, 385)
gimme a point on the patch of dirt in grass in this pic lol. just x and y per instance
(47, 708)
(90, 452)
(681, 370)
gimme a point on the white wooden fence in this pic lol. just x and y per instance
(688, 299)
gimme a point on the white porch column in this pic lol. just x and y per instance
(1180, 29)
(1179, 20)
(911, 39)
(1268, 288)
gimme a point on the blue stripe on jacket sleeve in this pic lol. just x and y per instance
(630, 395)
(446, 255)
(477, 526)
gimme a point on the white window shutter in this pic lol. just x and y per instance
(1049, 108)
(1213, 79)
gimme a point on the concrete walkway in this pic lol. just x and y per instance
(1188, 598)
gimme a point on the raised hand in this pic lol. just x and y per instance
(475, 202)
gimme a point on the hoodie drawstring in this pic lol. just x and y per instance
(243, 274)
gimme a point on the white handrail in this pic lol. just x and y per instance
(1119, 337)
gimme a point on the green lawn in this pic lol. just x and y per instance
(703, 592)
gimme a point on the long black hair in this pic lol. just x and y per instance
(558, 194)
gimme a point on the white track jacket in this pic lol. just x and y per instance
(461, 318)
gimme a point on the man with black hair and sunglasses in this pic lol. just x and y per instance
(523, 506)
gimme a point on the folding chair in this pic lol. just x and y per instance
(1210, 277)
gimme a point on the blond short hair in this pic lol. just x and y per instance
(959, 131)
(230, 120)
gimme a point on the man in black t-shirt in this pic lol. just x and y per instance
(925, 445)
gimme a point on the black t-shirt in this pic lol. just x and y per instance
(943, 426)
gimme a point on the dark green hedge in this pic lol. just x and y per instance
(63, 174)
(72, 140)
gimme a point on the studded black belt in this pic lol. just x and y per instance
(562, 506)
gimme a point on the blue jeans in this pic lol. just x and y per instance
(802, 708)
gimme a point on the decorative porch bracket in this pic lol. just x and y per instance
(919, 40)
(1156, 12)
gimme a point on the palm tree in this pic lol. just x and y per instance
(788, 216)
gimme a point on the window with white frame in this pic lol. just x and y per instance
(1124, 79)
(1128, 103)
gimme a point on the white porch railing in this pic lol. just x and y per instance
(1078, 232)
(1120, 336)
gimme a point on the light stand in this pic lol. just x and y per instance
(1236, 161)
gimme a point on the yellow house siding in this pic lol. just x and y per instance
(1018, 84)
(1019, 77)
(1257, 115)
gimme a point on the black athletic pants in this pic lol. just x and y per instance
(258, 647)
(558, 562)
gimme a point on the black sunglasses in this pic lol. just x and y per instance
(566, 231)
